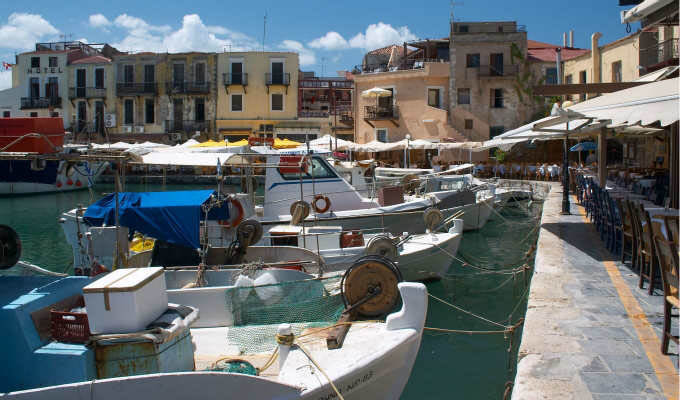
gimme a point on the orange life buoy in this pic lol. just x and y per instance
(326, 202)
(239, 217)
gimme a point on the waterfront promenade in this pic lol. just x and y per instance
(590, 332)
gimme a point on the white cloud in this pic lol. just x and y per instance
(193, 35)
(5, 79)
(330, 41)
(23, 30)
(99, 21)
(381, 35)
(307, 56)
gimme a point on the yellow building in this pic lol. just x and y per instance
(257, 95)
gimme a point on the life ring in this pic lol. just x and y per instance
(239, 218)
(326, 202)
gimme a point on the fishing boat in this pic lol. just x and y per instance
(41, 136)
(110, 337)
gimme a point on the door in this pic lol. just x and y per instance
(35, 88)
(80, 82)
(496, 64)
(385, 105)
(128, 74)
(237, 73)
(178, 77)
(277, 73)
(149, 78)
(52, 92)
(99, 78)
(99, 116)
(177, 113)
(82, 116)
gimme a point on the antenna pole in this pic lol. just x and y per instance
(264, 30)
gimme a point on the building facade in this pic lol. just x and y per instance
(91, 94)
(325, 105)
(257, 94)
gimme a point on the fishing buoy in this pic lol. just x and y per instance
(79, 184)
(382, 245)
(69, 182)
(58, 184)
(371, 281)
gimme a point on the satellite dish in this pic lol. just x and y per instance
(10, 247)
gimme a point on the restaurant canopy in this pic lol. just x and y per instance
(335, 143)
(169, 216)
(201, 159)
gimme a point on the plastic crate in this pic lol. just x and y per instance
(70, 327)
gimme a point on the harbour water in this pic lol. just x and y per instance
(487, 282)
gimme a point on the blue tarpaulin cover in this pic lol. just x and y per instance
(169, 216)
(584, 146)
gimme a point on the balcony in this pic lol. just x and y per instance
(86, 92)
(347, 119)
(659, 53)
(410, 64)
(378, 113)
(498, 71)
(135, 88)
(188, 126)
(187, 87)
(282, 79)
(313, 114)
(235, 79)
(40, 102)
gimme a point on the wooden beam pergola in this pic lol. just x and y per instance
(581, 88)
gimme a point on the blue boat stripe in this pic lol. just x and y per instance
(305, 181)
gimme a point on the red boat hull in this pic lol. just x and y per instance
(12, 129)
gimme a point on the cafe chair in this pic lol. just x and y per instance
(668, 260)
(647, 258)
(626, 229)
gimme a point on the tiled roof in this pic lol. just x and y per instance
(535, 44)
(541, 51)
(92, 60)
(387, 50)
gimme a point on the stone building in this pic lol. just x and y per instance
(325, 106)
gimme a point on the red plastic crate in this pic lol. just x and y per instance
(70, 327)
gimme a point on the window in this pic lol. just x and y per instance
(53, 62)
(149, 106)
(149, 73)
(569, 79)
(34, 88)
(551, 76)
(433, 97)
(472, 60)
(616, 72)
(381, 135)
(496, 64)
(318, 169)
(266, 127)
(495, 131)
(52, 87)
(177, 75)
(582, 77)
(236, 102)
(54, 114)
(35, 62)
(34, 114)
(277, 72)
(200, 73)
(463, 96)
(386, 102)
(277, 102)
(463, 28)
(199, 111)
(129, 110)
(469, 124)
(128, 73)
(99, 78)
(5, 114)
(497, 98)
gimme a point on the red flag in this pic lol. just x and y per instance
(7, 65)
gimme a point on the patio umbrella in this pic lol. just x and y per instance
(376, 92)
(584, 146)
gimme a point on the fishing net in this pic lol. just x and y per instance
(259, 310)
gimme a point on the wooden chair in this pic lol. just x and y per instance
(648, 261)
(668, 260)
(671, 222)
(626, 230)
(635, 224)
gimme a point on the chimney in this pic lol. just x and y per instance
(595, 56)
(564, 39)
(571, 38)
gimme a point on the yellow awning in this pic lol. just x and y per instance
(286, 144)
(242, 142)
(210, 143)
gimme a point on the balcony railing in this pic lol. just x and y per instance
(277, 79)
(176, 87)
(40, 102)
(659, 52)
(313, 114)
(410, 64)
(498, 70)
(86, 92)
(347, 119)
(188, 126)
(235, 79)
(374, 113)
(135, 88)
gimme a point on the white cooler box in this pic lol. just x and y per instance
(126, 300)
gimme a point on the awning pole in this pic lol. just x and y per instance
(565, 175)
(673, 164)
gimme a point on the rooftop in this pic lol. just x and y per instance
(92, 60)
(541, 51)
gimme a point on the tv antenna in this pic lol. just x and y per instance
(454, 4)
(264, 30)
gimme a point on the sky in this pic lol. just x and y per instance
(329, 35)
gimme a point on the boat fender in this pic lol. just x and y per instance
(299, 210)
(326, 202)
(243, 282)
(432, 217)
(58, 184)
(236, 221)
(69, 182)
(267, 289)
(382, 245)
(79, 183)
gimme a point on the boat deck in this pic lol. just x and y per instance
(590, 332)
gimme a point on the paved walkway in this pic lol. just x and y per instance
(590, 332)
